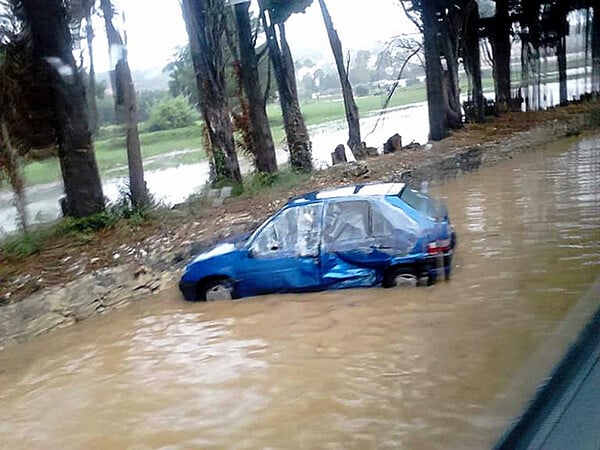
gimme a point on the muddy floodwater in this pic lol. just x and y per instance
(439, 367)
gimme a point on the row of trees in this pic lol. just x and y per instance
(46, 102)
(37, 56)
(452, 30)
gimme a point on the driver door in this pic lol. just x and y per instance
(285, 254)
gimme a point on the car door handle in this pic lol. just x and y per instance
(381, 247)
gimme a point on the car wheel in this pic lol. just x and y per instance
(401, 277)
(217, 290)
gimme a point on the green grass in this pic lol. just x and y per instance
(111, 153)
(111, 150)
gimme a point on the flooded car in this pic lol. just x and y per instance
(385, 234)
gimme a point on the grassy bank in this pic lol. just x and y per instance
(170, 148)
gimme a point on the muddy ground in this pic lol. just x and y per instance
(169, 238)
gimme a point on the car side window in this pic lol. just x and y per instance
(392, 228)
(346, 224)
(294, 232)
(381, 226)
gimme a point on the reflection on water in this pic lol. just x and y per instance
(430, 367)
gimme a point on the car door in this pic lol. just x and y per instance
(348, 258)
(361, 237)
(284, 256)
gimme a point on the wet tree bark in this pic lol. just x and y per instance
(89, 31)
(295, 129)
(500, 40)
(205, 29)
(52, 48)
(264, 149)
(436, 101)
(126, 108)
(596, 46)
(288, 61)
(14, 174)
(450, 28)
(354, 138)
(525, 81)
(561, 53)
(473, 58)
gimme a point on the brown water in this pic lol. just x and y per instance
(438, 367)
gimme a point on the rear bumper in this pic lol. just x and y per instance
(439, 265)
(189, 291)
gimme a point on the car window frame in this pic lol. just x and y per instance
(330, 202)
(277, 216)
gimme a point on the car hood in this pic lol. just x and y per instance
(219, 250)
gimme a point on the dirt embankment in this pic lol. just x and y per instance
(72, 279)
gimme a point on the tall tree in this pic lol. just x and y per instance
(436, 102)
(471, 56)
(500, 39)
(354, 138)
(596, 46)
(205, 27)
(275, 13)
(15, 73)
(10, 166)
(89, 32)
(126, 106)
(52, 50)
(262, 140)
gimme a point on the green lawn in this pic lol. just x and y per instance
(111, 150)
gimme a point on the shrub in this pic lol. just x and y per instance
(169, 113)
(23, 245)
(361, 90)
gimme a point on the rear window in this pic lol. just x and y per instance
(424, 204)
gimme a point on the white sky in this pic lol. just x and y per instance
(155, 28)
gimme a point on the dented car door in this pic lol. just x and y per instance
(361, 239)
(285, 253)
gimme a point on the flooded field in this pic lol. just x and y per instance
(440, 367)
(175, 184)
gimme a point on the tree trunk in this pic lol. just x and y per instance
(525, 74)
(126, 108)
(354, 139)
(472, 58)
(596, 46)
(450, 39)
(202, 18)
(295, 129)
(52, 48)
(438, 121)
(561, 53)
(15, 175)
(89, 30)
(262, 140)
(288, 61)
(500, 40)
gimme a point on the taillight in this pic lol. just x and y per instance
(439, 246)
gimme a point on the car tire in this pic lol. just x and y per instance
(221, 289)
(401, 277)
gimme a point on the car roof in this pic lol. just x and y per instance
(353, 191)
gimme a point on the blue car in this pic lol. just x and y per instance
(356, 236)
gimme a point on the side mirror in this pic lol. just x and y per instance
(250, 253)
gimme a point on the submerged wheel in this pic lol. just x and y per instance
(217, 290)
(401, 277)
